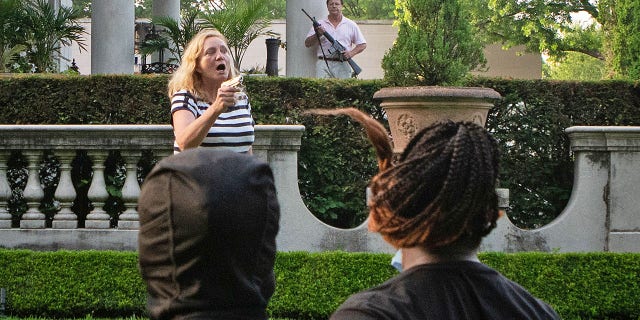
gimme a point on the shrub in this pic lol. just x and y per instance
(435, 44)
(77, 284)
(335, 161)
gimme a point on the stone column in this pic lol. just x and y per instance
(112, 27)
(63, 60)
(301, 61)
(165, 8)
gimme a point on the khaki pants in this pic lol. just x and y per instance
(337, 69)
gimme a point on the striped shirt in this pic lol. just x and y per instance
(233, 130)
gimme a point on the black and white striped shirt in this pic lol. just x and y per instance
(233, 130)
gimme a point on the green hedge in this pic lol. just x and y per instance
(76, 284)
(335, 160)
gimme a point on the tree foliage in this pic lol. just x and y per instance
(435, 44)
(174, 35)
(241, 21)
(39, 29)
(10, 17)
(574, 66)
(541, 25)
(368, 9)
(624, 40)
(550, 27)
(48, 30)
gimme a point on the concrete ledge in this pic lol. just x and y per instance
(72, 239)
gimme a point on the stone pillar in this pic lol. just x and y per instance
(63, 60)
(112, 27)
(130, 191)
(98, 218)
(65, 193)
(165, 8)
(33, 193)
(602, 213)
(301, 61)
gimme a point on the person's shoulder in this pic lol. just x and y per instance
(183, 92)
(346, 20)
(324, 20)
(185, 95)
(512, 292)
(363, 305)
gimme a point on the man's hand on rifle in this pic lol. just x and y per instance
(346, 55)
(319, 30)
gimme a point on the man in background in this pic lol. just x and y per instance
(333, 64)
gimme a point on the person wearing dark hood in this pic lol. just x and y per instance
(207, 239)
(436, 203)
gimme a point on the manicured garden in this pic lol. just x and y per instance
(107, 284)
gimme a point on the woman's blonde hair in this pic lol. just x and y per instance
(186, 77)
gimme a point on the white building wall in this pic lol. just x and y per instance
(380, 35)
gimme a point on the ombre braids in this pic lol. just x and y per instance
(440, 192)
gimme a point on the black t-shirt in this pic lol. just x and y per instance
(451, 290)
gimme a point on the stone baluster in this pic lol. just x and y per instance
(65, 192)
(130, 191)
(98, 218)
(33, 193)
(5, 191)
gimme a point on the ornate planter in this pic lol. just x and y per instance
(410, 109)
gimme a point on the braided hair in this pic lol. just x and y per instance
(441, 192)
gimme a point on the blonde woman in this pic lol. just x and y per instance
(204, 112)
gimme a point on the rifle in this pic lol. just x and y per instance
(336, 46)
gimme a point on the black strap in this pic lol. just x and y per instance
(324, 57)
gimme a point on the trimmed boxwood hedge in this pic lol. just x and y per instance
(335, 160)
(78, 284)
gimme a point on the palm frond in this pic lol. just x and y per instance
(178, 33)
(241, 22)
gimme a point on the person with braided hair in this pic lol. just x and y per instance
(436, 203)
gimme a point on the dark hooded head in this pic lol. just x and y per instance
(207, 241)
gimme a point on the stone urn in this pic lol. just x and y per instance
(409, 109)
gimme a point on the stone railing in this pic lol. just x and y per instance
(276, 144)
(64, 140)
(602, 213)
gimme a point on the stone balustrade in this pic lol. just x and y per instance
(602, 213)
(276, 144)
(64, 140)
